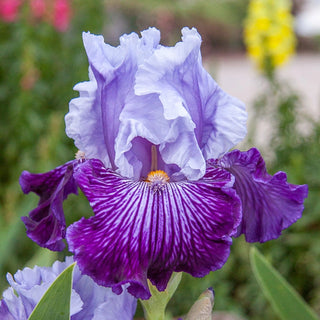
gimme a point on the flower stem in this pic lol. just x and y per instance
(154, 314)
(154, 308)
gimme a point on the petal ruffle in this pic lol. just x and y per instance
(137, 233)
(141, 94)
(205, 122)
(46, 223)
(93, 120)
(83, 121)
(269, 203)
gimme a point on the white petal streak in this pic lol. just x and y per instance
(138, 233)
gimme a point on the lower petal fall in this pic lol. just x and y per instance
(269, 203)
(137, 233)
(46, 223)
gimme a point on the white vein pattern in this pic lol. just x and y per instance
(137, 233)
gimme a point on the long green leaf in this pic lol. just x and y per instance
(284, 299)
(55, 303)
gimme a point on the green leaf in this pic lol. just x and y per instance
(284, 299)
(55, 303)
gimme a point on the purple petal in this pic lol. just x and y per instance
(94, 118)
(83, 121)
(137, 233)
(88, 300)
(11, 306)
(269, 203)
(205, 122)
(141, 94)
(46, 223)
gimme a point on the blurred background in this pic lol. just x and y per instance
(42, 58)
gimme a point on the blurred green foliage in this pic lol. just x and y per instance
(38, 68)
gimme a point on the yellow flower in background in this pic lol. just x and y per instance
(268, 33)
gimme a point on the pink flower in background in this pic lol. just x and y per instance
(38, 8)
(56, 13)
(9, 9)
(61, 14)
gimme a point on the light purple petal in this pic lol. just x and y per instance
(46, 223)
(83, 121)
(11, 307)
(142, 125)
(141, 94)
(269, 203)
(87, 298)
(137, 233)
(31, 284)
(116, 305)
(204, 121)
(93, 118)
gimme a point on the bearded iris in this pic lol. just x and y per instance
(154, 130)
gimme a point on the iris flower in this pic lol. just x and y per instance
(88, 300)
(155, 130)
